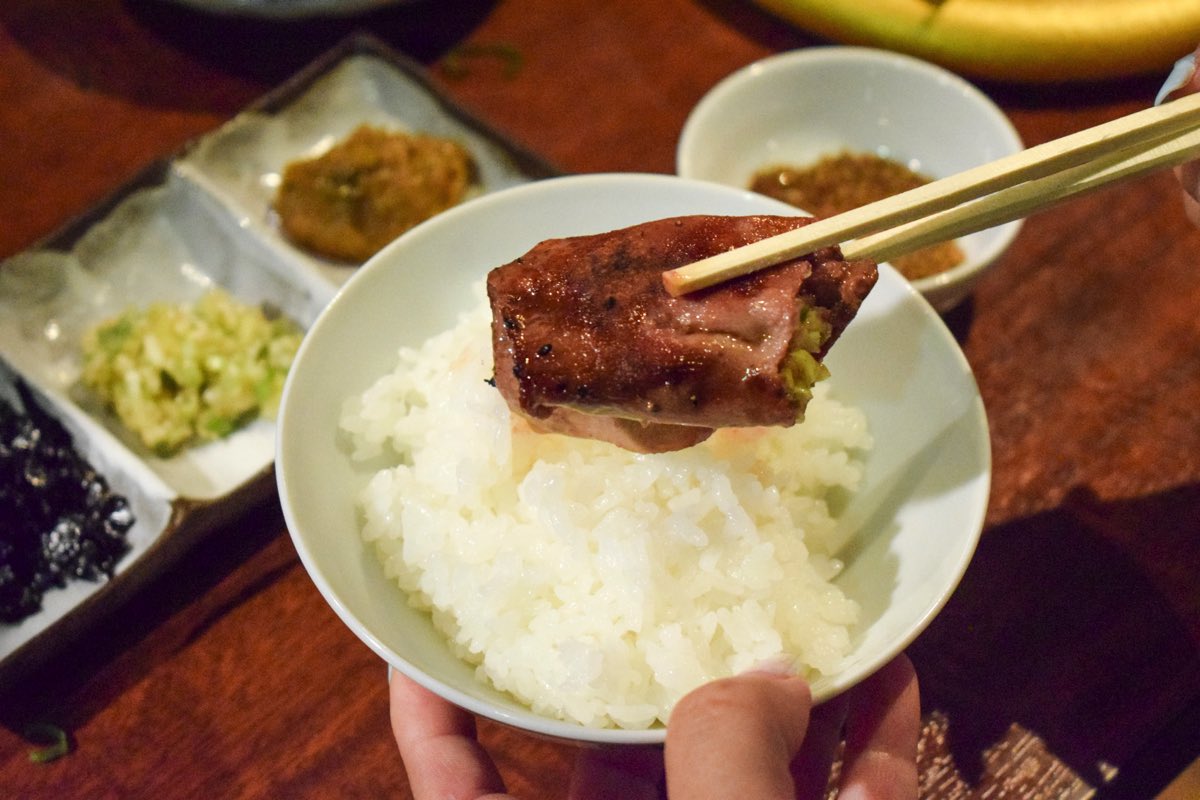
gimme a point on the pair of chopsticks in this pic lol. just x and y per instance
(992, 194)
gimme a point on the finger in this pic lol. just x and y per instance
(811, 766)
(736, 737)
(438, 746)
(1183, 79)
(1191, 184)
(882, 727)
(602, 773)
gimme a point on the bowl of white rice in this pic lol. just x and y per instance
(576, 590)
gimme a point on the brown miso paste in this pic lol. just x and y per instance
(848, 180)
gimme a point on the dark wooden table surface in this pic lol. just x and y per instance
(1066, 665)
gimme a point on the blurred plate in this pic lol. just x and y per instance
(199, 219)
(288, 9)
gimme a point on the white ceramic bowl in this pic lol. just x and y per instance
(796, 107)
(916, 519)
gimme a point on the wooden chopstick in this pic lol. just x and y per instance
(1023, 199)
(1089, 155)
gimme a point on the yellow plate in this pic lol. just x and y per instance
(1039, 41)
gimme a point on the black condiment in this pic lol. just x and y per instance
(59, 521)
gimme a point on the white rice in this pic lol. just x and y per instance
(592, 583)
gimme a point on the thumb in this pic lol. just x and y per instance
(1185, 79)
(736, 737)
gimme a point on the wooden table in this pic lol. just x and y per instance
(1067, 664)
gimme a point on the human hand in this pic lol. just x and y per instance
(1185, 79)
(753, 735)
(444, 759)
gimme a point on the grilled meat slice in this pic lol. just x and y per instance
(587, 341)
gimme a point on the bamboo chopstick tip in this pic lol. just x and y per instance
(674, 283)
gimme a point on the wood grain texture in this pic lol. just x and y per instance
(1067, 663)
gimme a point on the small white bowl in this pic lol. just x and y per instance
(914, 522)
(796, 107)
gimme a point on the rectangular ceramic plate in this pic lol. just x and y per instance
(187, 223)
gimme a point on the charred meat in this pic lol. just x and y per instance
(587, 341)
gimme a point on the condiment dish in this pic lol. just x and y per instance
(797, 107)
